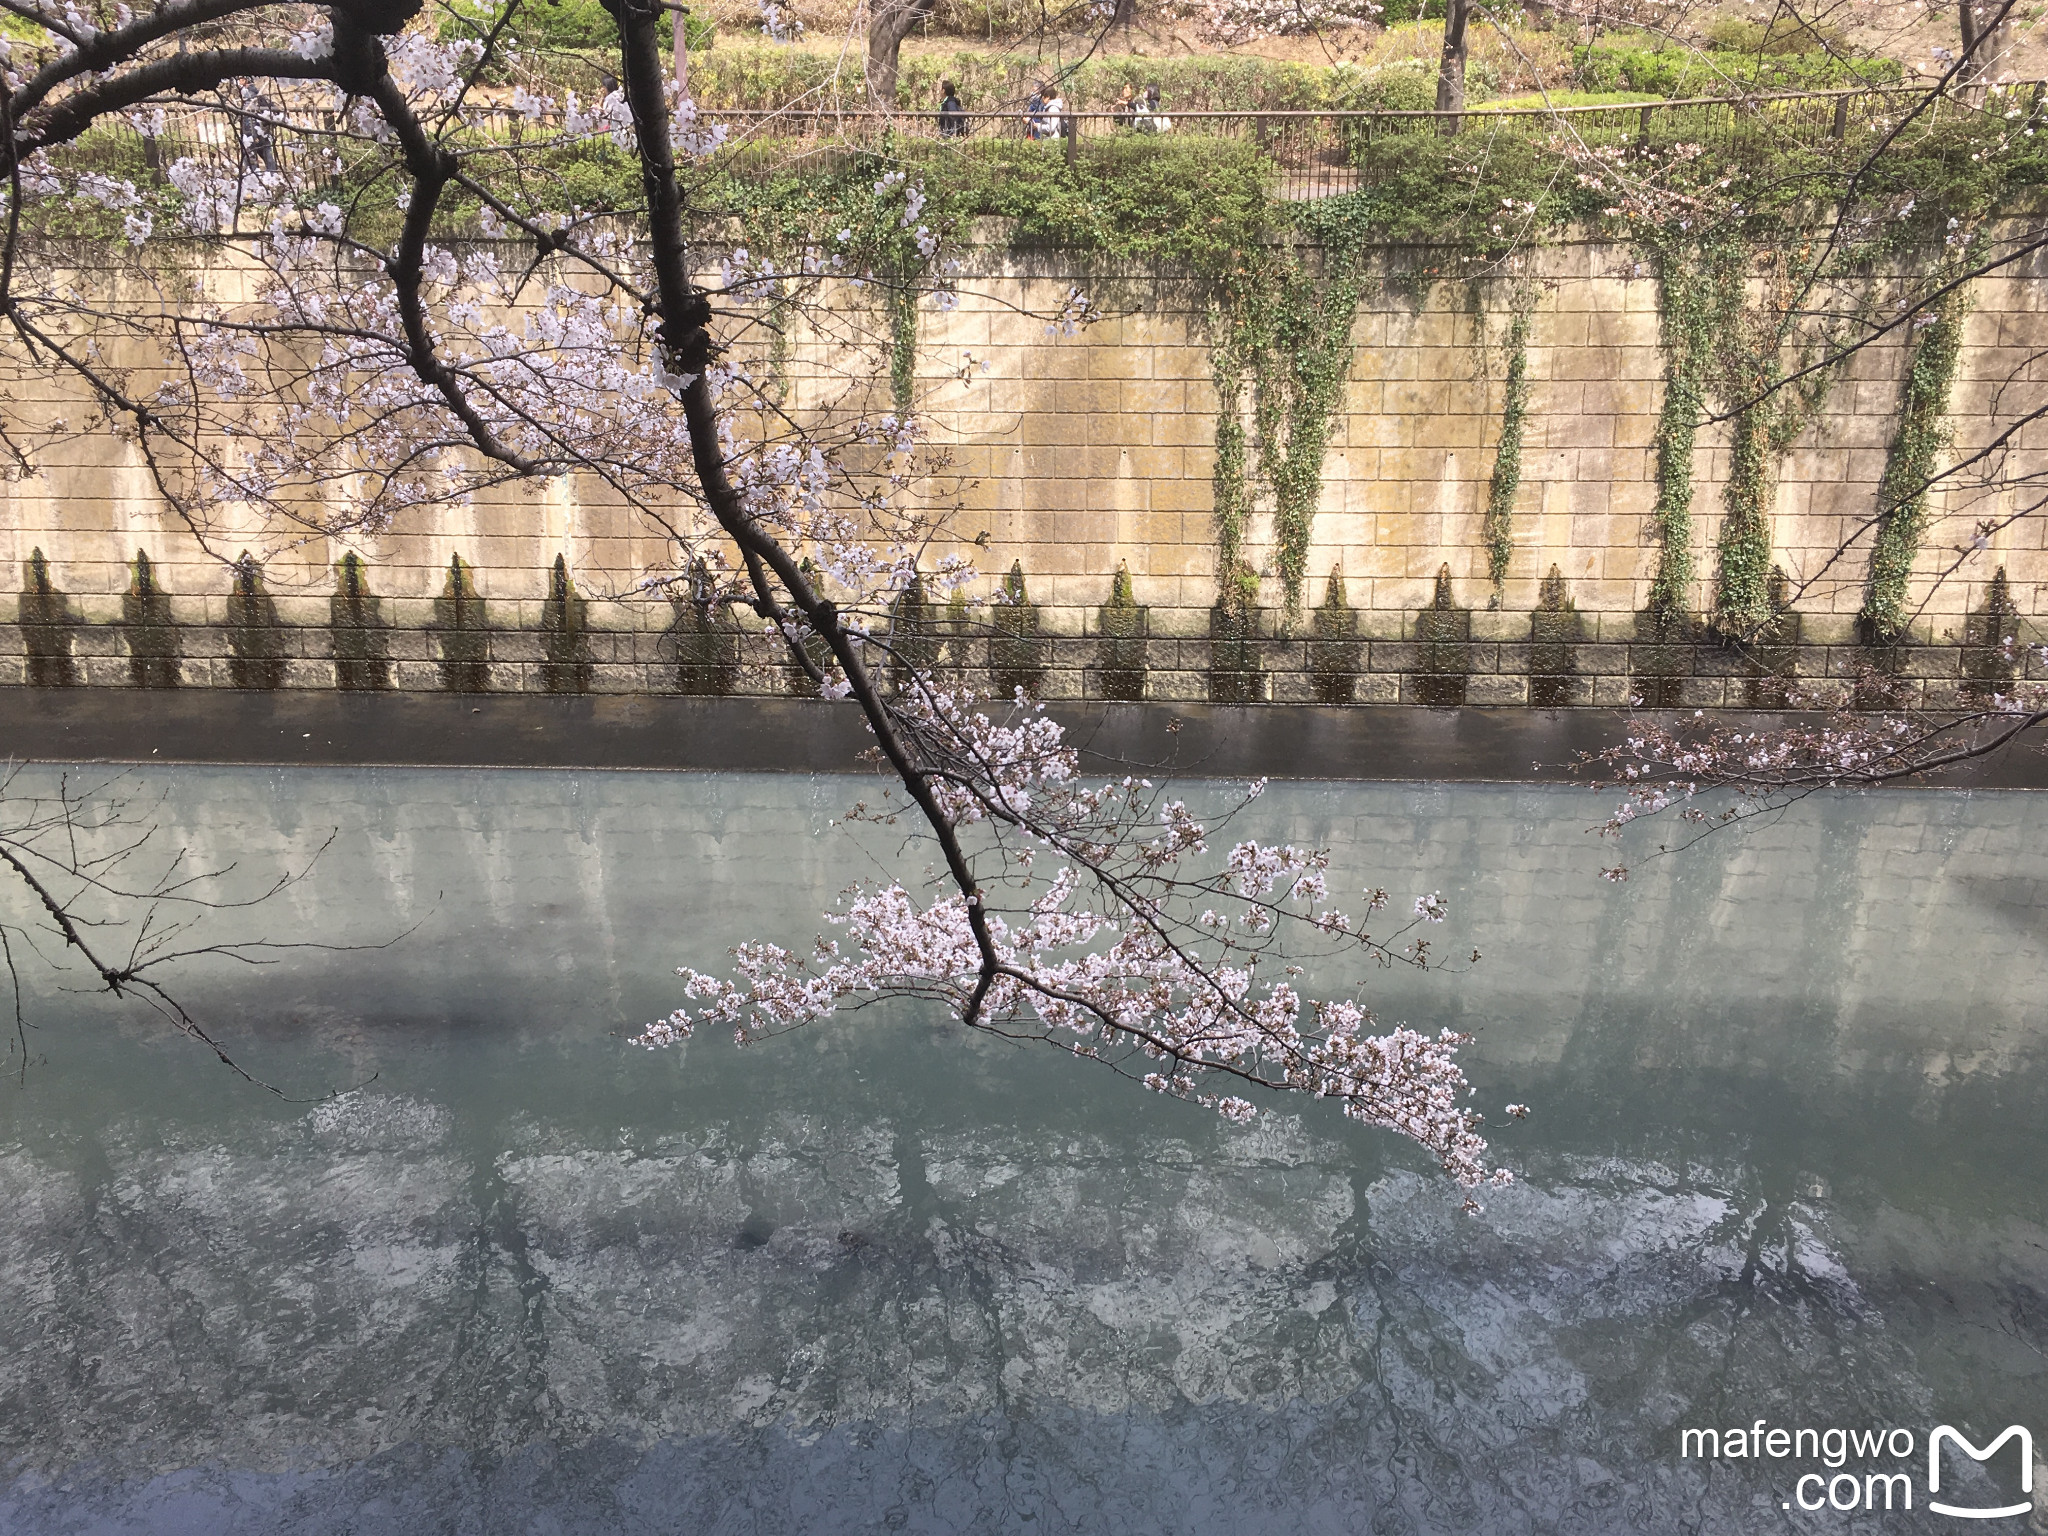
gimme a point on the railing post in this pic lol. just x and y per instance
(1643, 124)
(1841, 128)
(1072, 124)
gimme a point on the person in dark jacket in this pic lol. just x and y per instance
(952, 116)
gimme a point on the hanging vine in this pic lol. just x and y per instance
(1742, 605)
(903, 298)
(1283, 326)
(1499, 527)
(1769, 413)
(1701, 291)
(1917, 443)
(1231, 328)
(1312, 335)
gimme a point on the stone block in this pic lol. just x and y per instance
(1099, 397)
(1606, 659)
(1391, 656)
(1934, 662)
(1146, 397)
(1577, 692)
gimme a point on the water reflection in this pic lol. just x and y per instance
(1786, 1165)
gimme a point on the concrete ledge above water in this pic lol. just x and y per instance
(1469, 744)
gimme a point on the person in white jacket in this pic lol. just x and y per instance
(1149, 119)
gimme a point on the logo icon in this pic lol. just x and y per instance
(1947, 1432)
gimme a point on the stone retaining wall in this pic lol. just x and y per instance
(1073, 457)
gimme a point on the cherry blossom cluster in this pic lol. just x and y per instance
(1709, 774)
(780, 23)
(1116, 992)
(1236, 21)
(1121, 953)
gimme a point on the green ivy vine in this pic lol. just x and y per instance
(1499, 527)
(1742, 603)
(1771, 406)
(1918, 439)
(1282, 326)
(1700, 287)
(1233, 491)
(903, 299)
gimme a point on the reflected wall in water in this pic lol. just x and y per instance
(1786, 1164)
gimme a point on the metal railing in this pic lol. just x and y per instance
(1319, 154)
(1313, 154)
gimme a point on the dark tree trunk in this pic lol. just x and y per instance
(1450, 71)
(890, 21)
(1983, 26)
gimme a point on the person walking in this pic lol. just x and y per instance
(1125, 111)
(952, 116)
(1034, 111)
(254, 130)
(1150, 118)
(1055, 108)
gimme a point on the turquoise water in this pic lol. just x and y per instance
(1786, 1164)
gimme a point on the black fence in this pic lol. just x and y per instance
(1314, 154)
(1319, 154)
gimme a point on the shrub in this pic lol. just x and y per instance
(1673, 71)
(1190, 201)
(1430, 189)
(558, 26)
(1399, 76)
(1783, 34)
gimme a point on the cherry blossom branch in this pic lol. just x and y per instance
(1676, 769)
(97, 52)
(186, 74)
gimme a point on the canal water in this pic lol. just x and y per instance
(492, 1269)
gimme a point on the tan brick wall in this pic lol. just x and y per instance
(1082, 452)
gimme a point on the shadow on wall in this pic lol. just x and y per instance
(1334, 648)
(464, 632)
(1443, 644)
(565, 635)
(1661, 659)
(1772, 658)
(1991, 643)
(1554, 632)
(1234, 673)
(1017, 651)
(255, 638)
(356, 626)
(706, 641)
(147, 627)
(46, 625)
(914, 633)
(1671, 660)
(1123, 622)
